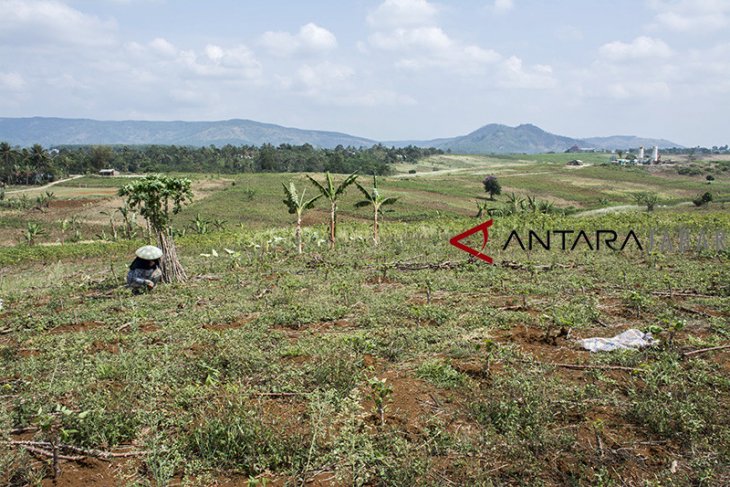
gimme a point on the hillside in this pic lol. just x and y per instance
(62, 131)
(498, 138)
(627, 141)
(489, 139)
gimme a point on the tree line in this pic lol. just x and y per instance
(38, 165)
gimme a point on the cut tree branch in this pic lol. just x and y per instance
(705, 350)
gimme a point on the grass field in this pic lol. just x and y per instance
(267, 367)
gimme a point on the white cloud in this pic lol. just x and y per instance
(639, 89)
(407, 28)
(402, 13)
(431, 38)
(214, 61)
(424, 47)
(50, 22)
(692, 15)
(323, 76)
(163, 47)
(11, 81)
(311, 38)
(317, 38)
(640, 48)
(373, 98)
(512, 74)
(502, 6)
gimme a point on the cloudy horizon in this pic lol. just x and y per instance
(385, 70)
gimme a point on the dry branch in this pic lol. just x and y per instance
(418, 266)
(38, 446)
(694, 311)
(705, 350)
(279, 394)
(584, 366)
(40, 451)
(542, 267)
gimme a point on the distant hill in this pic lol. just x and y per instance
(527, 138)
(63, 131)
(627, 141)
(489, 139)
(501, 139)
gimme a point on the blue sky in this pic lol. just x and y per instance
(384, 69)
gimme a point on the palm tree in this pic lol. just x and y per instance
(376, 200)
(7, 156)
(297, 204)
(39, 160)
(331, 193)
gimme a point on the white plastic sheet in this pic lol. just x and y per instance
(629, 340)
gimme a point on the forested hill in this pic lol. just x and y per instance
(65, 131)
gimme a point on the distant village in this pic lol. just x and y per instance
(632, 157)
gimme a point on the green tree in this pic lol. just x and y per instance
(650, 200)
(376, 200)
(492, 186)
(332, 193)
(157, 198)
(297, 204)
(39, 160)
(8, 157)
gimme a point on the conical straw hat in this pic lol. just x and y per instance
(148, 252)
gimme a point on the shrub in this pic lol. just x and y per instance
(703, 199)
(492, 186)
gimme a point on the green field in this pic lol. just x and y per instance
(266, 367)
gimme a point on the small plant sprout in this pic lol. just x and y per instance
(669, 325)
(379, 392)
(33, 230)
(637, 301)
(490, 349)
(51, 425)
(481, 209)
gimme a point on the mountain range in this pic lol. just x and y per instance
(491, 138)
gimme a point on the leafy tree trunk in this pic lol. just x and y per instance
(375, 228)
(333, 225)
(172, 270)
(299, 232)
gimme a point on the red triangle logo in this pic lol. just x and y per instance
(482, 227)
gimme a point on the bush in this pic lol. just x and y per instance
(688, 171)
(492, 186)
(703, 199)
(650, 200)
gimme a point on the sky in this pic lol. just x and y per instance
(382, 69)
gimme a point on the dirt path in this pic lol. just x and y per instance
(41, 188)
(433, 173)
(620, 208)
(480, 168)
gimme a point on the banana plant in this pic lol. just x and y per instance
(297, 204)
(331, 193)
(376, 200)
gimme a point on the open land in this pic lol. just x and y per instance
(267, 367)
